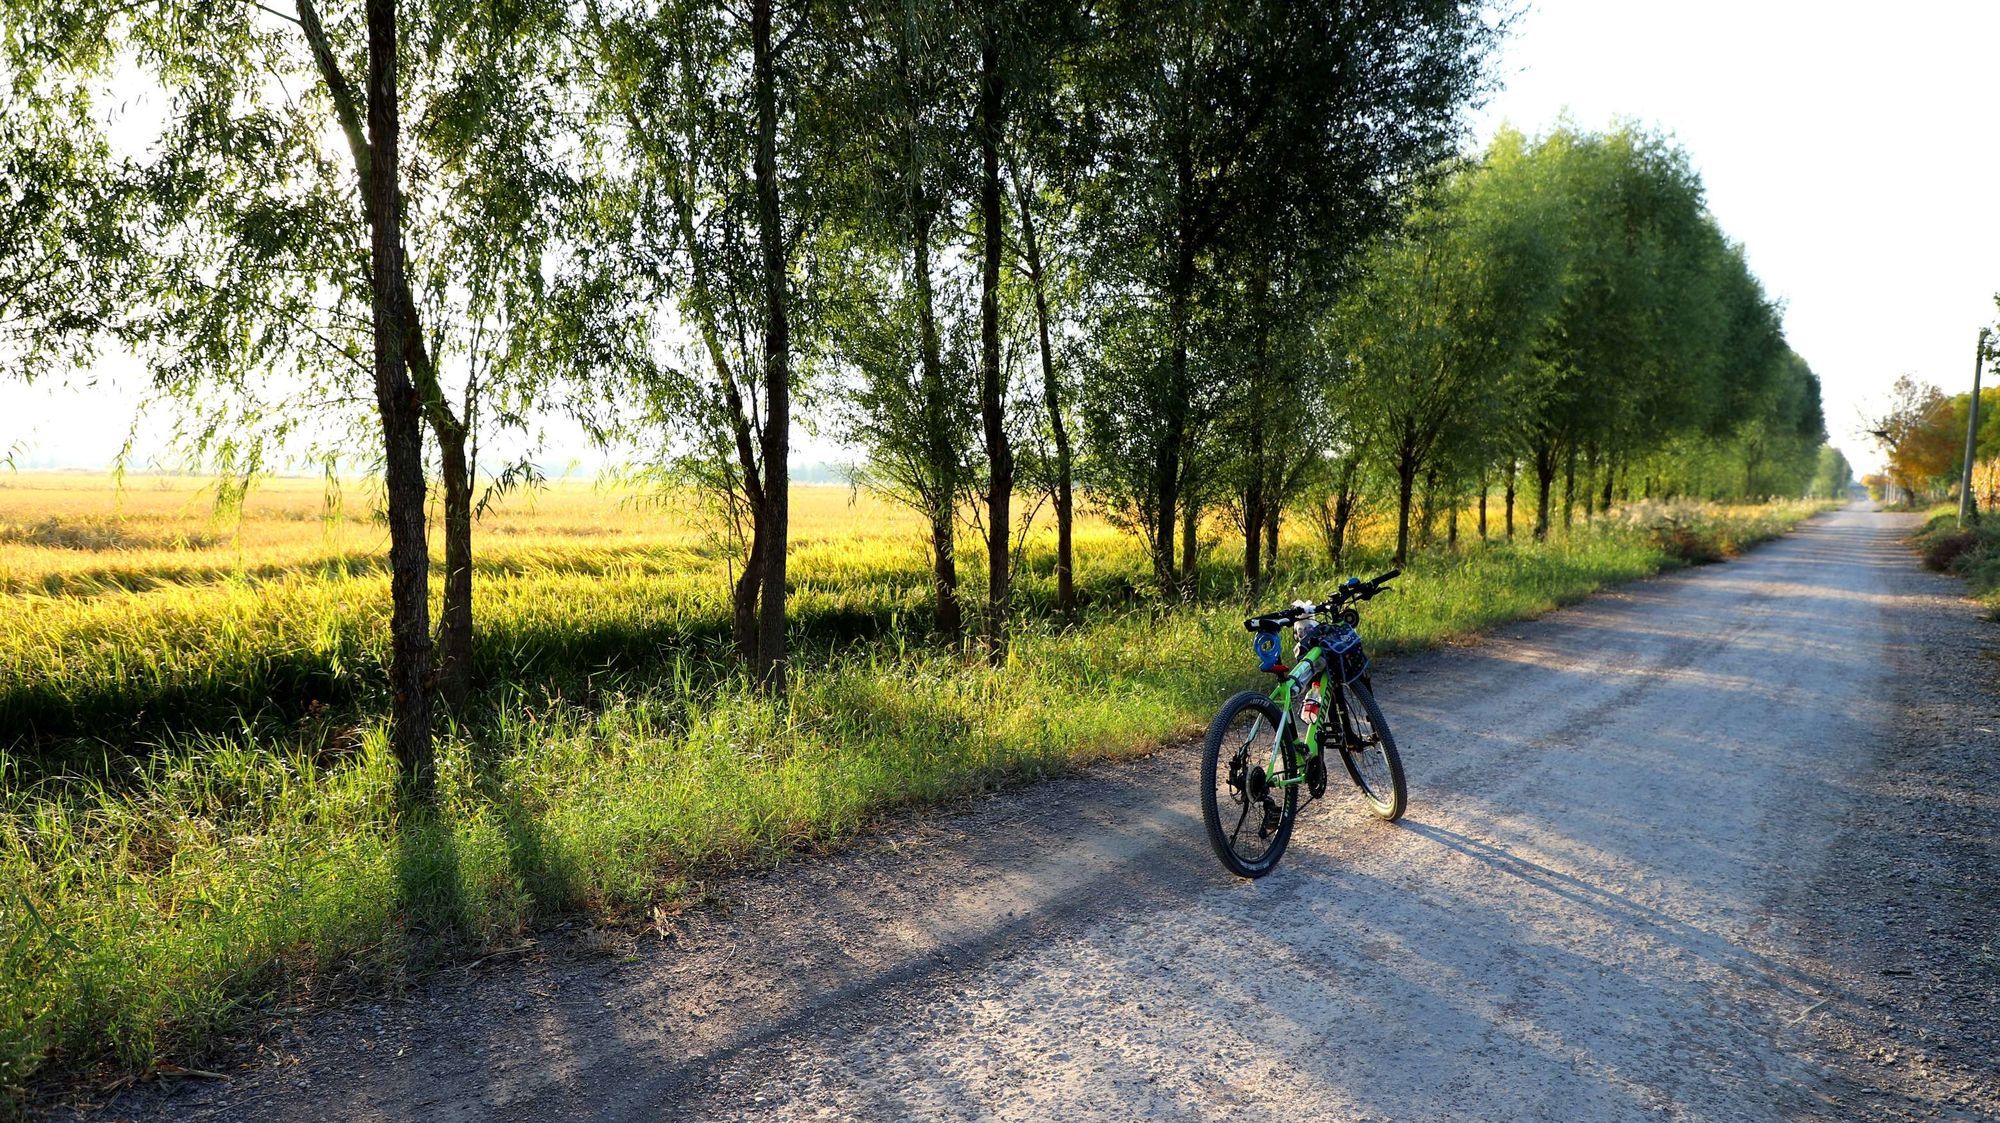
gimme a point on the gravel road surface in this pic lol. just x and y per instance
(1720, 845)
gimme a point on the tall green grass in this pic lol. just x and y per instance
(226, 870)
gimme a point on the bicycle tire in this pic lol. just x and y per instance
(1387, 805)
(1216, 779)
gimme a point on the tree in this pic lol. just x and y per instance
(904, 194)
(989, 127)
(1441, 332)
(1047, 150)
(706, 212)
(264, 232)
(1630, 359)
(278, 264)
(68, 262)
(1036, 211)
(1832, 476)
(1330, 113)
(495, 197)
(1924, 446)
(394, 325)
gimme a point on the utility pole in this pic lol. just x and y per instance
(1968, 512)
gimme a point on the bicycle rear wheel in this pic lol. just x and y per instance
(1249, 817)
(1371, 758)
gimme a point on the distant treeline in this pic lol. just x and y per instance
(1186, 260)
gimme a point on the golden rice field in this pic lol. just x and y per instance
(198, 816)
(133, 609)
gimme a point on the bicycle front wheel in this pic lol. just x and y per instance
(1248, 811)
(1370, 755)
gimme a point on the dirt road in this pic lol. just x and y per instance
(1723, 845)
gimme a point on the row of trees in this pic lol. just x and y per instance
(1566, 308)
(673, 218)
(1183, 259)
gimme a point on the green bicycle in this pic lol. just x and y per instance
(1262, 748)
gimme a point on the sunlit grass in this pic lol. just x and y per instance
(210, 871)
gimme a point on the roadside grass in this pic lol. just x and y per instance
(216, 872)
(1973, 553)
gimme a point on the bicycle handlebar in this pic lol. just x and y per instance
(1354, 589)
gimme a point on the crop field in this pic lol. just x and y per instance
(144, 610)
(197, 811)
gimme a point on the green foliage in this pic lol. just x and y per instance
(1440, 333)
(67, 261)
(1568, 306)
(1248, 152)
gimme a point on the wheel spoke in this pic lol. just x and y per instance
(1239, 771)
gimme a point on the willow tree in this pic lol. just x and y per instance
(1213, 120)
(904, 316)
(707, 214)
(279, 245)
(68, 261)
(1631, 357)
(324, 209)
(1440, 333)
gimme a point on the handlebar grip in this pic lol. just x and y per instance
(1389, 576)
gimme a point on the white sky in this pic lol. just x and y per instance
(1848, 146)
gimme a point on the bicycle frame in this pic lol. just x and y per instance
(1333, 700)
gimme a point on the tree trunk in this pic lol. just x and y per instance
(402, 421)
(1451, 526)
(1513, 471)
(1272, 513)
(1610, 474)
(944, 574)
(775, 440)
(454, 633)
(1427, 532)
(1052, 400)
(1590, 485)
(1333, 524)
(1406, 483)
(1166, 481)
(1255, 492)
(1343, 513)
(992, 394)
(1171, 455)
(1569, 488)
(1190, 544)
(943, 458)
(1485, 487)
(1253, 531)
(1545, 475)
(743, 599)
(940, 455)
